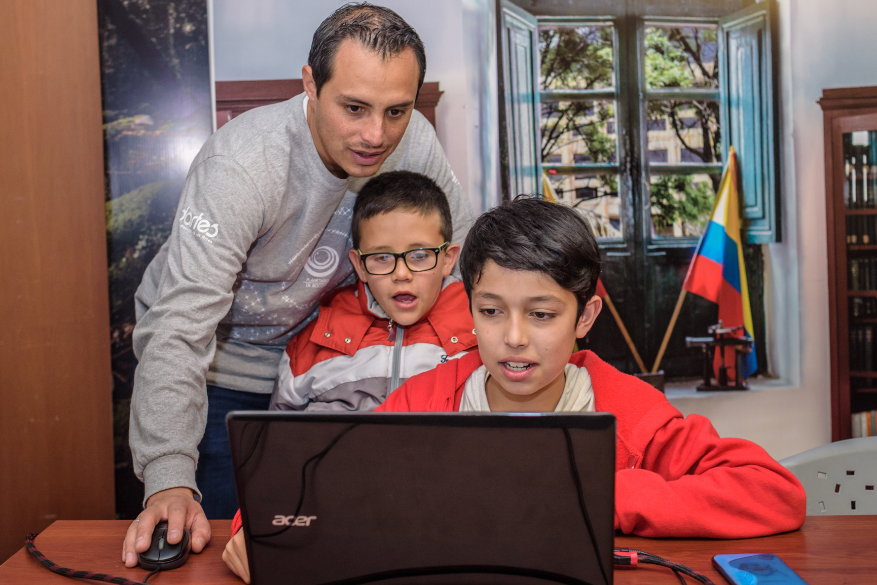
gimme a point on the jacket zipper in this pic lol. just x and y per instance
(397, 357)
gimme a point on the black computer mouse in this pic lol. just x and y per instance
(164, 556)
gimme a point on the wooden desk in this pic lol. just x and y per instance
(830, 550)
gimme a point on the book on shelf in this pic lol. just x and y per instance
(860, 183)
(864, 424)
(863, 307)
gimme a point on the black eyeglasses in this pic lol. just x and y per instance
(419, 260)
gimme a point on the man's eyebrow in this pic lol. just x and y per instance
(352, 100)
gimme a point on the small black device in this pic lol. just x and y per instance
(163, 555)
(758, 568)
(503, 498)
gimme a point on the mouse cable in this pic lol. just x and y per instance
(32, 549)
(631, 557)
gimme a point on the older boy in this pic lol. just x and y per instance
(530, 269)
(406, 314)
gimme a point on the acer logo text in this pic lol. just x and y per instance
(199, 224)
(281, 520)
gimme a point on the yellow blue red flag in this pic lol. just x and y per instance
(717, 273)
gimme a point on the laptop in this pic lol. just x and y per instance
(426, 498)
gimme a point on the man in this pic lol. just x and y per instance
(261, 233)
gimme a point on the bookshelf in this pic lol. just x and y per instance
(850, 124)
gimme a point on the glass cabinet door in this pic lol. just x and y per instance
(859, 180)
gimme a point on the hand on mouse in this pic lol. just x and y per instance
(179, 508)
(235, 556)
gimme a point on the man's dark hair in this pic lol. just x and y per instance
(377, 28)
(402, 191)
(538, 236)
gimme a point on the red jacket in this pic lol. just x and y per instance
(344, 361)
(674, 476)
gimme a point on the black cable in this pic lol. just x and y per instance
(253, 447)
(651, 559)
(32, 549)
(577, 480)
(304, 471)
(156, 570)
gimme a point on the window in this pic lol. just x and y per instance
(578, 120)
(635, 115)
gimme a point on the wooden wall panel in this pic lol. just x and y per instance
(56, 459)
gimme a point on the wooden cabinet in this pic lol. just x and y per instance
(850, 116)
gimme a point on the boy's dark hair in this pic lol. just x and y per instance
(377, 28)
(402, 191)
(535, 235)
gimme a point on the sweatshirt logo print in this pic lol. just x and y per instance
(322, 262)
(198, 225)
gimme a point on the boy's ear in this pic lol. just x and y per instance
(307, 77)
(452, 252)
(589, 315)
(357, 265)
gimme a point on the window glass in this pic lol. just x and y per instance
(578, 132)
(576, 57)
(681, 204)
(594, 196)
(687, 130)
(681, 57)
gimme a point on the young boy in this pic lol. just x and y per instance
(530, 269)
(406, 314)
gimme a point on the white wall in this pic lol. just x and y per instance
(270, 39)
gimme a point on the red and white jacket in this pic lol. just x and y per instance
(674, 475)
(350, 359)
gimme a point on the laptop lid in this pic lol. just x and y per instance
(426, 498)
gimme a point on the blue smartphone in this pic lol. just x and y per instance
(756, 569)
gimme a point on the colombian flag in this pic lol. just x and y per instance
(717, 273)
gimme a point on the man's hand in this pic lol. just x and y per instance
(235, 556)
(180, 509)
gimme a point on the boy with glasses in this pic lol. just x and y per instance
(406, 314)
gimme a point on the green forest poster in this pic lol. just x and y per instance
(155, 77)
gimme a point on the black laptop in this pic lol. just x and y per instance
(426, 498)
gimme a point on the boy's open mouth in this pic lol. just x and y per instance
(517, 366)
(404, 298)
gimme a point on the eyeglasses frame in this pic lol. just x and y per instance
(398, 255)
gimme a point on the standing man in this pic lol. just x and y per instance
(262, 232)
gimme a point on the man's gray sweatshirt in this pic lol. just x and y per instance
(262, 232)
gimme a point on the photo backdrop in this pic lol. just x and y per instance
(155, 78)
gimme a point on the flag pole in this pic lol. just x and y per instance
(624, 333)
(669, 331)
(672, 324)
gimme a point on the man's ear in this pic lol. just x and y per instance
(452, 252)
(307, 76)
(589, 315)
(357, 265)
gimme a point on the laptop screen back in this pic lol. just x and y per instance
(471, 497)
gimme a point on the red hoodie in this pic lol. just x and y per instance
(674, 476)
